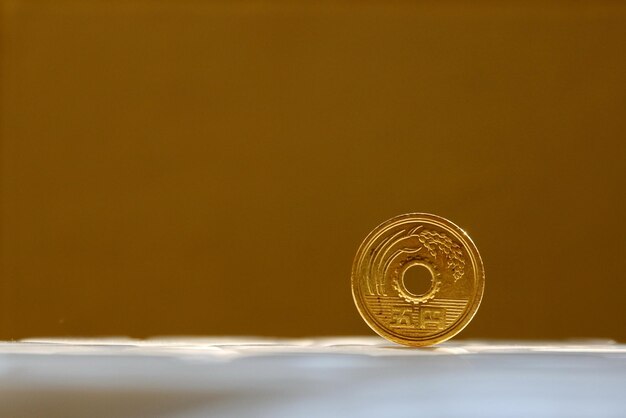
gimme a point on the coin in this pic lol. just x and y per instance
(452, 274)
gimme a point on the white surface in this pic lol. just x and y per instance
(366, 377)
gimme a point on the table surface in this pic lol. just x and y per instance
(357, 376)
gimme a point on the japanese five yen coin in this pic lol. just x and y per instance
(438, 250)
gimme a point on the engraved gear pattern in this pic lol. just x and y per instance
(379, 270)
(402, 291)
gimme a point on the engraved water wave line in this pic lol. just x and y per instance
(384, 308)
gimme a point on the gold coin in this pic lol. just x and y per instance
(394, 255)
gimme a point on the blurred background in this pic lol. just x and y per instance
(210, 168)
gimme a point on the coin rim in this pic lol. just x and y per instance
(469, 313)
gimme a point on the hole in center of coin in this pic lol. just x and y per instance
(417, 280)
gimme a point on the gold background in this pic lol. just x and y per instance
(204, 167)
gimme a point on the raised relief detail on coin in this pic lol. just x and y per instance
(434, 245)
